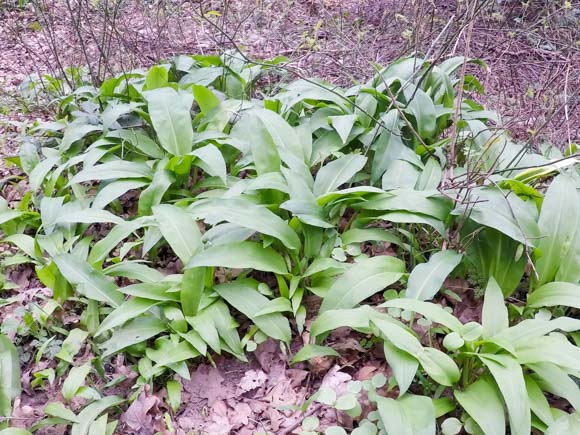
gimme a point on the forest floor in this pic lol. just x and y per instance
(531, 77)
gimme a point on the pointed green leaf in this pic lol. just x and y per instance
(361, 281)
(490, 416)
(555, 293)
(90, 282)
(171, 119)
(337, 172)
(241, 255)
(426, 279)
(179, 230)
(494, 317)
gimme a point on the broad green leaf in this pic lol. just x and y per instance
(278, 305)
(248, 215)
(196, 340)
(25, 243)
(357, 235)
(76, 132)
(330, 266)
(99, 426)
(153, 194)
(530, 329)
(245, 297)
(489, 417)
(413, 415)
(92, 411)
(128, 310)
(555, 293)
(538, 402)
(168, 351)
(57, 409)
(494, 316)
(179, 230)
(10, 375)
(72, 345)
(135, 331)
(90, 283)
(114, 190)
(75, 379)
(393, 417)
(559, 223)
(356, 318)
(134, 270)
(424, 202)
(205, 98)
(510, 380)
(426, 279)
(192, 287)
(401, 174)
(173, 394)
(337, 172)
(555, 380)
(399, 336)
(252, 131)
(40, 172)
(310, 351)
(421, 106)
(204, 325)
(170, 115)
(551, 348)
(439, 366)
(349, 194)
(405, 217)
(567, 424)
(114, 111)
(227, 328)
(120, 232)
(16, 431)
(507, 214)
(112, 171)
(241, 255)
(88, 216)
(430, 176)
(429, 310)
(141, 141)
(403, 364)
(343, 125)
(285, 138)
(157, 77)
(388, 146)
(361, 281)
(158, 291)
(214, 163)
(493, 254)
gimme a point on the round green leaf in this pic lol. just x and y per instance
(346, 402)
(379, 380)
(335, 430)
(453, 341)
(471, 331)
(310, 423)
(451, 426)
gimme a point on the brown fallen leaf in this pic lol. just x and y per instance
(252, 380)
(220, 423)
(365, 373)
(137, 416)
(207, 383)
(297, 376)
(239, 415)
